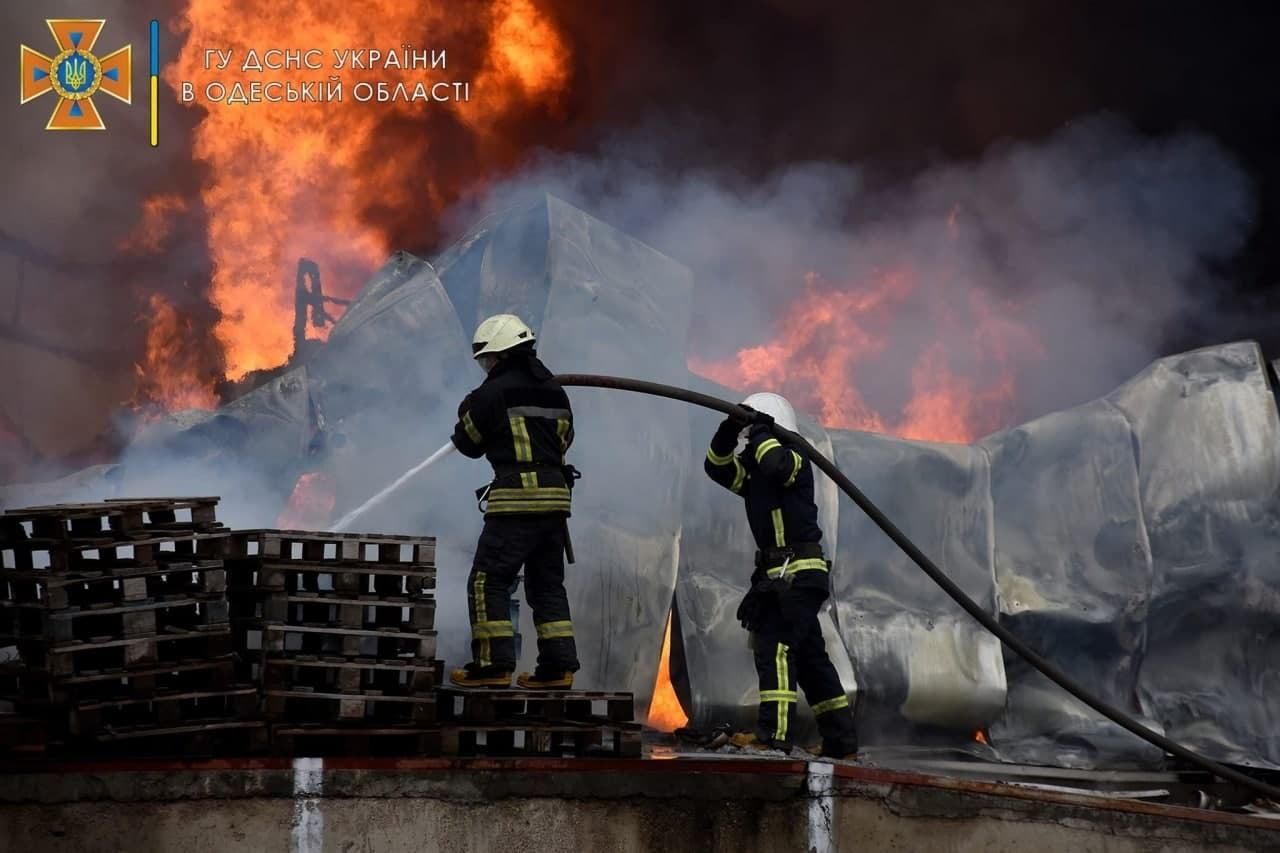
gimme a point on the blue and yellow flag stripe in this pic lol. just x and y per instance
(155, 83)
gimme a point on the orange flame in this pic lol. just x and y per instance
(310, 505)
(288, 180)
(157, 221)
(168, 376)
(981, 737)
(665, 713)
(827, 334)
(527, 60)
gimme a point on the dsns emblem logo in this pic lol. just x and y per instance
(75, 74)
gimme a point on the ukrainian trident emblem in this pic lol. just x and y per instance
(76, 74)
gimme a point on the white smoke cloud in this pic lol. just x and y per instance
(1101, 240)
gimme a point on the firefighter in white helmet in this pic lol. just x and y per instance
(520, 419)
(791, 578)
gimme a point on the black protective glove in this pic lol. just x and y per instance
(756, 417)
(758, 608)
(750, 609)
(730, 426)
(759, 432)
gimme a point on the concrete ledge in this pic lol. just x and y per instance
(588, 805)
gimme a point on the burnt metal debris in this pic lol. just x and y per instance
(1132, 539)
(310, 300)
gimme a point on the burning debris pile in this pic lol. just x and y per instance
(1126, 538)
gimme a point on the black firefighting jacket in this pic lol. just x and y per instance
(519, 418)
(776, 484)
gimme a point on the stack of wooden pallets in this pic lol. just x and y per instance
(143, 627)
(118, 616)
(538, 722)
(347, 646)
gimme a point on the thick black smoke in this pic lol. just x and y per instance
(748, 88)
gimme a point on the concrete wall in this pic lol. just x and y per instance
(672, 806)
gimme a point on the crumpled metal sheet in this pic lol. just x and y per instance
(1208, 450)
(716, 562)
(1074, 573)
(248, 452)
(273, 421)
(399, 351)
(614, 305)
(388, 383)
(922, 663)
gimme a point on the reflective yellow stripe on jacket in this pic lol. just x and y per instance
(739, 472)
(530, 500)
(808, 564)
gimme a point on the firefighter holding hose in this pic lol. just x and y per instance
(520, 419)
(790, 582)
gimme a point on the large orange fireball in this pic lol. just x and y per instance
(831, 337)
(287, 180)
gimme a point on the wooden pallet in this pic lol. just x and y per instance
(332, 548)
(131, 516)
(352, 579)
(197, 738)
(164, 710)
(23, 685)
(114, 621)
(305, 706)
(116, 655)
(73, 589)
(617, 740)
(216, 675)
(335, 641)
(563, 738)
(353, 740)
(343, 675)
(402, 613)
(108, 554)
(487, 706)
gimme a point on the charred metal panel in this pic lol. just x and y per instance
(249, 451)
(1208, 449)
(399, 351)
(921, 661)
(390, 378)
(1074, 574)
(614, 305)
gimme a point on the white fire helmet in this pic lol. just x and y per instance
(500, 333)
(776, 407)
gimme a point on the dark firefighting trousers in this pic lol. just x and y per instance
(508, 542)
(789, 649)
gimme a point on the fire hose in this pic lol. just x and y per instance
(1012, 642)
